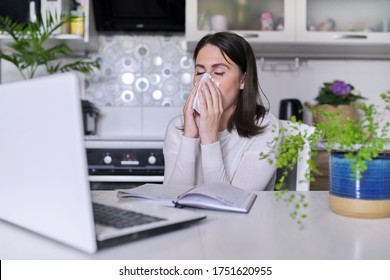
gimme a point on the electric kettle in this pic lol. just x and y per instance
(90, 117)
(289, 108)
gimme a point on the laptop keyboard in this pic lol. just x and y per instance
(120, 218)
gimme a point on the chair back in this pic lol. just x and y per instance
(296, 180)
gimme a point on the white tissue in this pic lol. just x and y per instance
(196, 104)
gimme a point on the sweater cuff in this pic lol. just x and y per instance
(189, 148)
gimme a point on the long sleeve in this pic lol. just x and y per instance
(213, 166)
(180, 155)
(236, 160)
(232, 159)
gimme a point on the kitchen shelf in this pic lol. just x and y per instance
(79, 44)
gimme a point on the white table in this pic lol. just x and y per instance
(267, 232)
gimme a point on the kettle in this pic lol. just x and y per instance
(90, 117)
(289, 108)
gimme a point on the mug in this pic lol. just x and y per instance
(219, 23)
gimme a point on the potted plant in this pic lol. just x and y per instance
(29, 47)
(336, 96)
(359, 161)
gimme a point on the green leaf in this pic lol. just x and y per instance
(30, 47)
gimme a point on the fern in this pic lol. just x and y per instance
(30, 48)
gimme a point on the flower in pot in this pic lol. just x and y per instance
(336, 96)
(359, 164)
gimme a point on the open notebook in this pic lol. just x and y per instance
(44, 176)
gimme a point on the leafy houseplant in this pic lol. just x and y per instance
(361, 141)
(30, 49)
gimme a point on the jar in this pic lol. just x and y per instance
(77, 23)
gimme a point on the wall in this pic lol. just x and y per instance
(370, 77)
(156, 72)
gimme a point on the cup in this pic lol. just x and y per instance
(219, 23)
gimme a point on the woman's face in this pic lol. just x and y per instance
(222, 69)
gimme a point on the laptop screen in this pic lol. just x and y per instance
(44, 177)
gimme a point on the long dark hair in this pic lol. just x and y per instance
(249, 109)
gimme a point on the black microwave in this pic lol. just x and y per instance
(20, 10)
(139, 15)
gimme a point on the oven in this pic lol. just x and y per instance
(122, 164)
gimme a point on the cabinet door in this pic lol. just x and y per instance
(255, 20)
(86, 39)
(343, 21)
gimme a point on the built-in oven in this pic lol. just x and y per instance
(118, 164)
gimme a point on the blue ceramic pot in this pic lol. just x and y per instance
(362, 197)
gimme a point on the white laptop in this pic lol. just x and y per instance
(44, 183)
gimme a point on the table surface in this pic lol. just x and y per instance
(267, 232)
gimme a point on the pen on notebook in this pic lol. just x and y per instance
(184, 193)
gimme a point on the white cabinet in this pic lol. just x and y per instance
(301, 28)
(88, 40)
(256, 20)
(343, 21)
(79, 43)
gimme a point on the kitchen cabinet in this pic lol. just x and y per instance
(300, 28)
(84, 42)
(88, 41)
(343, 21)
(256, 20)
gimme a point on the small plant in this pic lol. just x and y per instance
(30, 48)
(338, 93)
(285, 160)
(361, 140)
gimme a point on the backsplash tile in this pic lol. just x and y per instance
(141, 71)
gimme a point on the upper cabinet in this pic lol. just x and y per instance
(343, 21)
(256, 20)
(297, 28)
(79, 35)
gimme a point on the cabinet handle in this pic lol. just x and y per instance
(248, 35)
(338, 36)
(32, 11)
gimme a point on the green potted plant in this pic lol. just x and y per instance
(359, 161)
(336, 96)
(29, 47)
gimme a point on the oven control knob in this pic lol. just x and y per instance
(152, 159)
(107, 159)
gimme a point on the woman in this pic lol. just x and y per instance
(223, 140)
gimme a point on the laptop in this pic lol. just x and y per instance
(44, 183)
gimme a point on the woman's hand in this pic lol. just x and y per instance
(211, 110)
